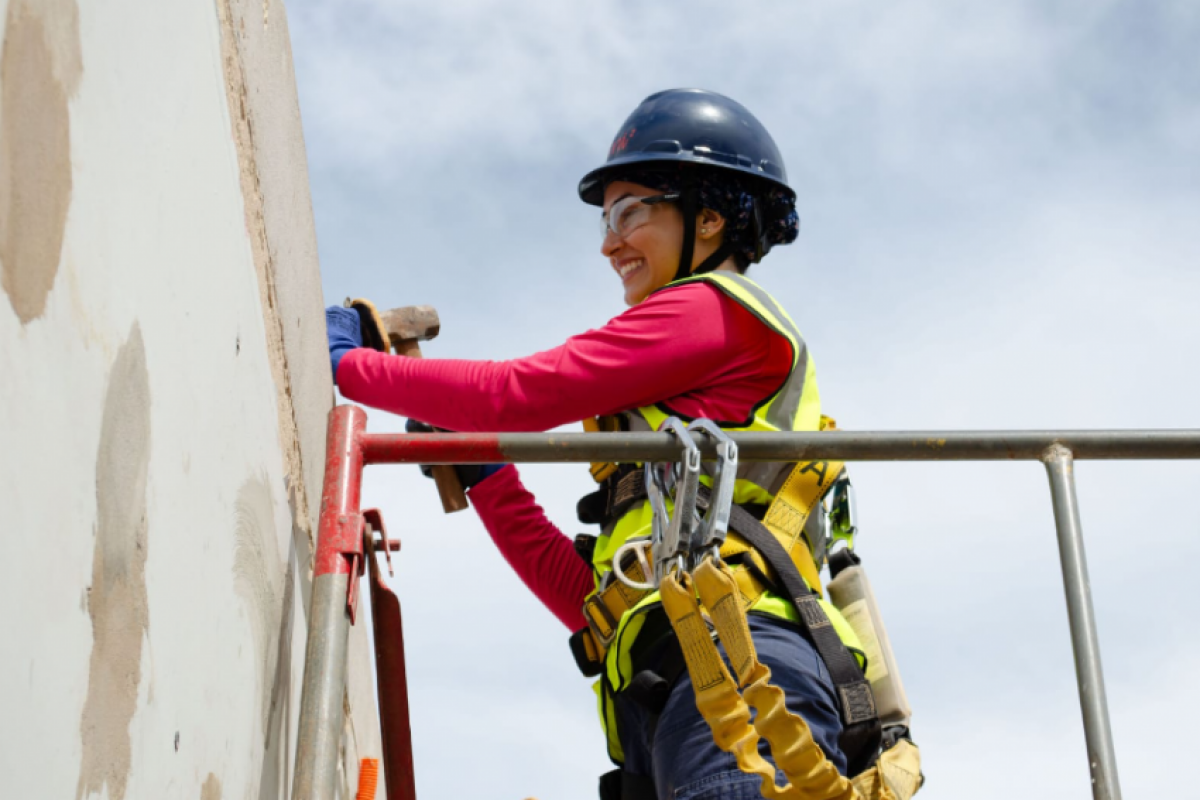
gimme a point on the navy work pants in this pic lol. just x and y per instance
(682, 758)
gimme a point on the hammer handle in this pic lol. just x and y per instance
(449, 487)
(407, 347)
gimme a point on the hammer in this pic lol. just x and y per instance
(407, 327)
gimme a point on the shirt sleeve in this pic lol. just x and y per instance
(541, 555)
(673, 343)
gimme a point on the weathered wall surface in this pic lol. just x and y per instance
(163, 391)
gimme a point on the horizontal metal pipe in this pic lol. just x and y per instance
(486, 448)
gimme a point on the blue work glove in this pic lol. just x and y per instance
(468, 474)
(344, 330)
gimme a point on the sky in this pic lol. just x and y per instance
(999, 208)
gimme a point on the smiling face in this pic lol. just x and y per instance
(645, 255)
(648, 255)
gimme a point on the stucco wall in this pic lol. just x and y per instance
(163, 391)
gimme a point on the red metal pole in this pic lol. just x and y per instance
(433, 448)
(390, 671)
(336, 566)
(339, 528)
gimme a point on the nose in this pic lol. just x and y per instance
(611, 243)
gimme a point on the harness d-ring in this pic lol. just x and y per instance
(643, 549)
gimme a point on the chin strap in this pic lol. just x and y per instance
(715, 260)
(689, 205)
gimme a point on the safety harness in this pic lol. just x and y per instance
(775, 555)
(700, 594)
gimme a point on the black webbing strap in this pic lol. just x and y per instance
(655, 669)
(650, 688)
(860, 721)
(622, 785)
(689, 206)
(614, 497)
(588, 657)
(715, 259)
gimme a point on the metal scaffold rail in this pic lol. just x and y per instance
(547, 448)
(346, 544)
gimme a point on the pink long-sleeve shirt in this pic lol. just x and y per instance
(690, 347)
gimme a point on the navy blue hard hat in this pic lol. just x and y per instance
(690, 126)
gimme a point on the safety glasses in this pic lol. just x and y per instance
(630, 213)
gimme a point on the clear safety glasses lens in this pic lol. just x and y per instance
(630, 213)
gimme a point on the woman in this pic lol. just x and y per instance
(693, 192)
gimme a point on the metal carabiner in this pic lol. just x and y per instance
(657, 491)
(710, 534)
(673, 532)
(681, 532)
(843, 512)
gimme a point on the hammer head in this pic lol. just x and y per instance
(411, 324)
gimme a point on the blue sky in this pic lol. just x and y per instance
(999, 209)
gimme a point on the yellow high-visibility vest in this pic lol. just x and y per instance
(794, 406)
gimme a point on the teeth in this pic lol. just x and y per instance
(630, 267)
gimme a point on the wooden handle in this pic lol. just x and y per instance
(450, 488)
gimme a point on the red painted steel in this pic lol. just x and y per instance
(391, 675)
(345, 545)
(339, 530)
(433, 448)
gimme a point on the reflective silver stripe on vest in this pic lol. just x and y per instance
(782, 413)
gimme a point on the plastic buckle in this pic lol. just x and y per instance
(603, 615)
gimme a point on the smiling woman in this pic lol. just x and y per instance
(693, 192)
(641, 237)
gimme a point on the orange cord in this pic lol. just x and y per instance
(368, 779)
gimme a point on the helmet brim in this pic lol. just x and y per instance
(593, 184)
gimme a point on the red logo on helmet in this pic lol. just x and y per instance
(621, 142)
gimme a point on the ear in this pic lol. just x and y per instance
(709, 225)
